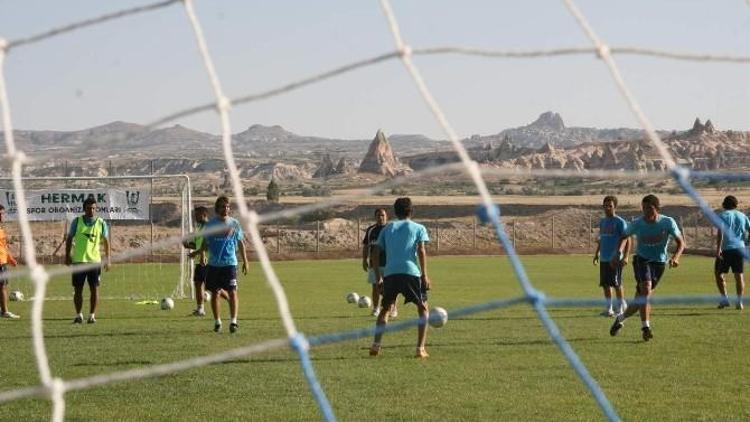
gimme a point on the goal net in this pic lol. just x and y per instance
(142, 212)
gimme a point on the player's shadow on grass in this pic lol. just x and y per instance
(687, 312)
(83, 334)
(116, 363)
(272, 360)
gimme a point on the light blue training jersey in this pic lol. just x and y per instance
(653, 238)
(611, 230)
(399, 239)
(222, 246)
(739, 225)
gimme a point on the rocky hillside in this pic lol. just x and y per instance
(702, 148)
(263, 152)
(549, 128)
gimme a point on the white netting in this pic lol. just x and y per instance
(54, 388)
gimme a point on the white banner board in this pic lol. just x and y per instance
(65, 204)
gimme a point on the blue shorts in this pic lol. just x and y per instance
(93, 276)
(733, 259)
(199, 273)
(224, 278)
(3, 270)
(371, 275)
(408, 285)
(608, 276)
(645, 270)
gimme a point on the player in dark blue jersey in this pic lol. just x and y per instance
(368, 249)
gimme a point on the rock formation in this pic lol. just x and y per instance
(380, 158)
(325, 168)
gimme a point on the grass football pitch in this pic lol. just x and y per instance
(495, 365)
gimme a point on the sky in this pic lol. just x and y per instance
(143, 67)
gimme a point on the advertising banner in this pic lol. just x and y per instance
(65, 204)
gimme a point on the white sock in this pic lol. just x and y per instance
(200, 307)
(91, 316)
(234, 320)
(218, 321)
(609, 303)
(645, 324)
(80, 315)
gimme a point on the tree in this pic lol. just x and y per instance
(273, 191)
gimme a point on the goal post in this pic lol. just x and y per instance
(142, 212)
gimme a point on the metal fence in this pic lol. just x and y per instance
(557, 233)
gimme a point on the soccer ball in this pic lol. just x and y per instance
(438, 317)
(352, 297)
(16, 296)
(167, 303)
(207, 296)
(364, 302)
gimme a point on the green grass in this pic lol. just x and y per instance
(498, 365)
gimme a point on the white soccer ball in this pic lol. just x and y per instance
(364, 302)
(167, 303)
(352, 297)
(16, 296)
(207, 296)
(438, 317)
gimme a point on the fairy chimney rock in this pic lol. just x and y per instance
(697, 126)
(709, 126)
(380, 158)
(325, 168)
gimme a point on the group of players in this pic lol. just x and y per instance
(395, 258)
(652, 233)
(215, 253)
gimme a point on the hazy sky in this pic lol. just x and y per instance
(146, 66)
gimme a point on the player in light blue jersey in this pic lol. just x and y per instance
(611, 229)
(652, 233)
(221, 272)
(729, 250)
(405, 271)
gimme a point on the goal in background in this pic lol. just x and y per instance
(141, 212)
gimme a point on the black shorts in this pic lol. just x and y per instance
(3, 270)
(199, 273)
(221, 278)
(408, 285)
(608, 276)
(733, 259)
(645, 270)
(93, 276)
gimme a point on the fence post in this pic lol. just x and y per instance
(695, 224)
(514, 233)
(356, 237)
(317, 236)
(684, 231)
(553, 232)
(437, 237)
(474, 232)
(278, 238)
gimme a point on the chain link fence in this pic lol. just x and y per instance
(566, 232)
